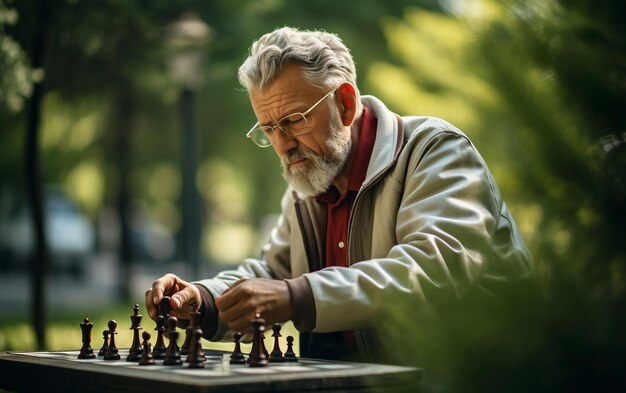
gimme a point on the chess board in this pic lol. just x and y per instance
(63, 371)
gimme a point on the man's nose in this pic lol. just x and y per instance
(283, 143)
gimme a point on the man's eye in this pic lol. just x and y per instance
(291, 121)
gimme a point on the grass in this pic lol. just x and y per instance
(63, 331)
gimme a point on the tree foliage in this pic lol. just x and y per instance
(558, 69)
(16, 75)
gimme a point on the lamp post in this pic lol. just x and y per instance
(187, 39)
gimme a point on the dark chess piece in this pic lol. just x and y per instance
(257, 355)
(164, 307)
(85, 351)
(172, 356)
(184, 349)
(196, 356)
(146, 353)
(290, 355)
(276, 355)
(237, 357)
(105, 344)
(194, 323)
(159, 350)
(112, 352)
(134, 353)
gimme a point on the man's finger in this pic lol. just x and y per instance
(229, 297)
(162, 285)
(187, 296)
(150, 307)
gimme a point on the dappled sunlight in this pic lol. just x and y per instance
(69, 128)
(228, 243)
(434, 78)
(226, 193)
(86, 184)
(165, 182)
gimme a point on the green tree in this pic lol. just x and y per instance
(16, 74)
(558, 68)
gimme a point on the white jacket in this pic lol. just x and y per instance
(427, 226)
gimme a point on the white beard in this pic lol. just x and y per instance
(318, 174)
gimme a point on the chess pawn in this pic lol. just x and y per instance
(146, 353)
(172, 357)
(134, 353)
(86, 352)
(196, 356)
(159, 350)
(276, 355)
(105, 344)
(193, 323)
(112, 352)
(290, 355)
(237, 357)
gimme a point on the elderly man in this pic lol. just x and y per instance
(377, 207)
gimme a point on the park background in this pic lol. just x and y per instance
(123, 124)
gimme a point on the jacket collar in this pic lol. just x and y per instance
(389, 138)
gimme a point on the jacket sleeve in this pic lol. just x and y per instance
(273, 266)
(443, 222)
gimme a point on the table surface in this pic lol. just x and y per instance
(63, 371)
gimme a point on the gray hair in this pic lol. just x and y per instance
(325, 60)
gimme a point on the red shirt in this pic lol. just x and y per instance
(339, 206)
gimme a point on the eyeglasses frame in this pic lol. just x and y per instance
(303, 114)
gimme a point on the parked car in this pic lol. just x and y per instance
(69, 233)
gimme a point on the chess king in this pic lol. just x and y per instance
(377, 206)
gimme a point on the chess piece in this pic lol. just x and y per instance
(290, 355)
(196, 356)
(164, 307)
(237, 357)
(276, 355)
(257, 355)
(194, 323)
(184, 349)
(146, 354)
(112, 352)
(172, 356)
(85, 351)
(105, 344)
(134, 353)
(159, 350)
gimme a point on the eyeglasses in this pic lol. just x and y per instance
(291, 125)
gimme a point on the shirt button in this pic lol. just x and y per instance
(340, 244)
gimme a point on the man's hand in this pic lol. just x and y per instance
(248, 296)
(185, 297)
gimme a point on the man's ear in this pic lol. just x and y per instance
(347, 96)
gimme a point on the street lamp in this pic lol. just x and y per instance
(186, 40)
